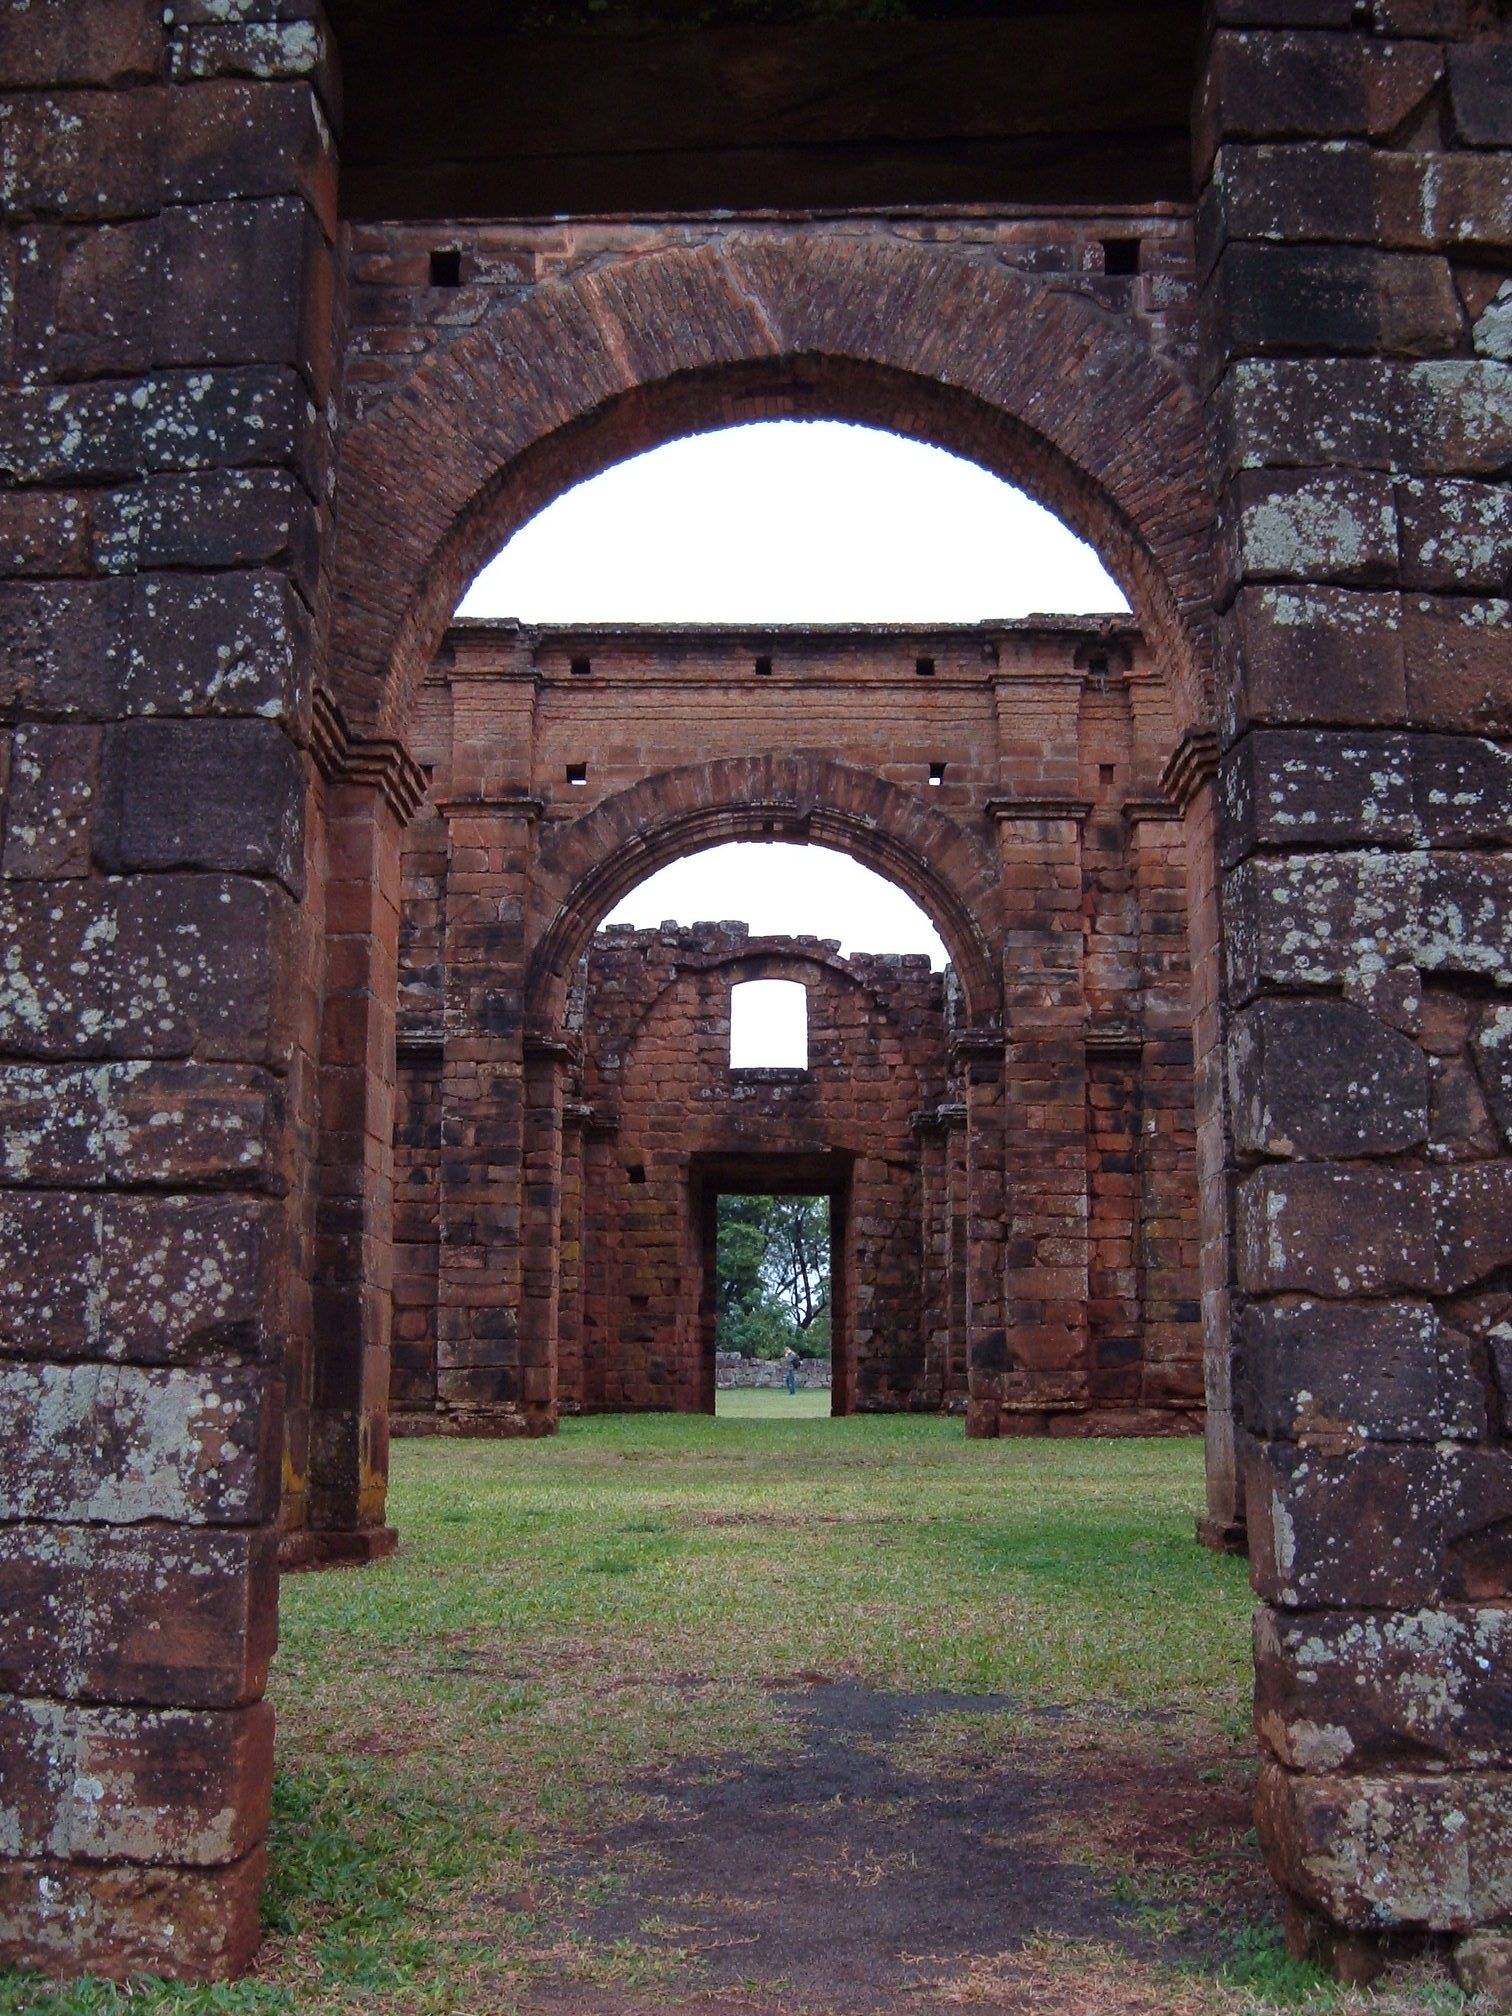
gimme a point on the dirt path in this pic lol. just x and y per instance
(912, 1845)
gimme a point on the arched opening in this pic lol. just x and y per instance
(1005, 770)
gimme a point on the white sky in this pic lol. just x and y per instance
(791, 522)
(778, 887)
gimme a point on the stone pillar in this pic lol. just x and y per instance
(976, 1064)
(576, 1120)
(1045, 1116)
(602, 1178)
(373, 789)
(1190, 779)
(932, 1135)
(957, 1365)
(479, 1371)
(1173, 1373)
(1353, 242)
(165, 351)
(551, 1062)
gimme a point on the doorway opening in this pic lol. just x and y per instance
(772, 1341)
(771, 1238)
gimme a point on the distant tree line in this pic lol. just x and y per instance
(773, 1261)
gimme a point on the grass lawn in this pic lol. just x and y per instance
(574, 1625)
(755, 1403)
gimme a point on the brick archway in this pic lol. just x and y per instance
(808, 799)
(1036, 384)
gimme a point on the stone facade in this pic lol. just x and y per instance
(915, 751)
(230, 556)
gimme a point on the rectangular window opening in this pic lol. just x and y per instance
(763, 668)
(446, 267)
(1120, 257)
(577, 773)
(924, 668)
(1105, 776)
(937, 773)
(769, 1025)
(636, 1172)
(581, 667)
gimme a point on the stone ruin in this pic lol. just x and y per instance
(268, 406)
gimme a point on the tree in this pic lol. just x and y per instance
(773, 1265)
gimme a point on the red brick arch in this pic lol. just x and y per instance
(1037, 384)
(586, 867)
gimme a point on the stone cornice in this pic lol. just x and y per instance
(547, 1046)
(1039, 808)
(940, 1119)
(420, 1044)
(520, 804)
(1193, 762)
(378, 761)
(1139, 810)
(1114, 1040)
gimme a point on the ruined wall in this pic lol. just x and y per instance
(960, 720)
(658, 1085)
(165, 330)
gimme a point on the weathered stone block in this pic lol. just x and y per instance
(1454, 663)
(45, 532)
(169, 1618)
(1363, 1530)
(84, 303)
(222, 518)
(1263, 86)
(1337, 525)
(229, 138)
(187, 1924)
(120, 1444)
(1368, 1690)
(202, 794)
(1351, 300)
(1455, 418)
(1391, 1851)
(52, 42)
(70, 434)
(153, 1280)
(239, 287)
(1324, 1078)
(147, 966)
(1338, 1373)
(1472, 1205)
(1297, 787)
(1301, 654)
(1455, 535)
(1493, 1056)
(230, 418)
(90, 1784)
(172, 1125)
(1461, 785)
(77, 154)
(1319, 920)
(1480, 93)
(48, 806)
(1335, 1229)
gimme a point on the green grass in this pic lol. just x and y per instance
(752, 1403)
(567, 1615)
